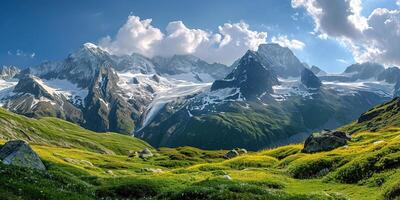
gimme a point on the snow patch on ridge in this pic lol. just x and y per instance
(6, 89)
(212, 98)
(380, 88)
(192, 77)
(290, 87)
(65, 88)
(55, 87)
(293, 87)
(142, 85)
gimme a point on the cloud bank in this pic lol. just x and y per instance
(374, 38)
(230, 42)
(21, 53)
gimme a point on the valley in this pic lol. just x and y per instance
(81, 164)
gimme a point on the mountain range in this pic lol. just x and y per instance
(357, 161)
(266, 98)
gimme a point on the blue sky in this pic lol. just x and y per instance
(33, 31)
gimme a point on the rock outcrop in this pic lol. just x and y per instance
(105, 109)
(8, 72)
(231, 154)
(19, 153)
(31, 85)
(145, 153)
(309, 79)
(325, 141)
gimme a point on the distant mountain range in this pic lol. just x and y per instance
(266, 98)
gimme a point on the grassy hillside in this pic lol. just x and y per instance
(86, 165)
(377, 118)
(56, 132)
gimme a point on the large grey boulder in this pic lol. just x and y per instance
(231, 154)
(145, 153)
(325, 141)
(19, 153)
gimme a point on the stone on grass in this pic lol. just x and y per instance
(227, 177)
(145, 153)
(325, 141)
(19, 153)
(231, 154)
(241, 151)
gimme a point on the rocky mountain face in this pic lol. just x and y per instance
(250, 76)
(281, 59)
(104, 108)
(8, 72)
(309, 79)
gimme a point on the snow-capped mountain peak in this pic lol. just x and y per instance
(89, 51)
(250, 75)
(90, 45)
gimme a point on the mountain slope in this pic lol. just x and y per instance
(377, 118)
(9, 72)
(56, 132)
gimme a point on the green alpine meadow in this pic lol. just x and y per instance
(81, 164)
(200, 100)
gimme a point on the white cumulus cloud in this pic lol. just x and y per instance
(285, 42)
(231, 40)
(374, 38)
(135, 36)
